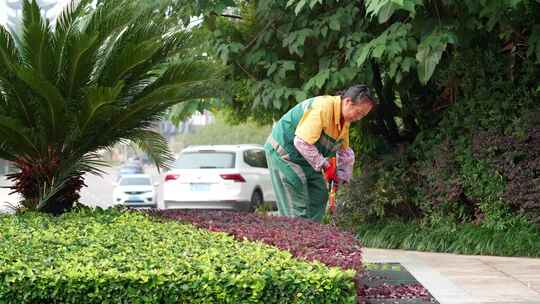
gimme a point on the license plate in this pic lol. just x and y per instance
(134, 198)
(200, 187)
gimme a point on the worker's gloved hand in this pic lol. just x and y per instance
(329, 172)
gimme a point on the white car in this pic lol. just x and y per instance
(219, 177)
(135, 190)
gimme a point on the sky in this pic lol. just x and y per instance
(3, 8)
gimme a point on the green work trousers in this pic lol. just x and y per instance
(300, 190)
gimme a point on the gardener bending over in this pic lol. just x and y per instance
(301, 143)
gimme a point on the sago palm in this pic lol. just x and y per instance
(103, 73)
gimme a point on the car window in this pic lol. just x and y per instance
(255, 158)
(135, 181)
(205, 160)
(131, 170)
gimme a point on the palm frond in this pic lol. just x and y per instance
(130, 56)
(183, 111)
(72, 167)
(53, 102)
(16, 100)
(67, 19)
(70, 45)
(162, 98)
(16, 135)
(181, 72)
(135, 51)
(103, 55)
(36, 42)
(111, 16)
(155, 146)
(5, 152)
(79, 63)
(90, 163)
(9, 55)
(95, 107)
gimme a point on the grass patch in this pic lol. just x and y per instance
(461, 239)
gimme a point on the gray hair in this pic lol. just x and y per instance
(357, 92)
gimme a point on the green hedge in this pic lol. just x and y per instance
(113, 257)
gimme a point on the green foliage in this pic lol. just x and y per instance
(320, 48)
(443, 179)
(430, 52)
(302, 63)
(98, 77)
(390, 47)
(266, 208)
(384, 9)
(486, 186)
(382, 190)
(221, 132)
(520, 240)
(112, 257)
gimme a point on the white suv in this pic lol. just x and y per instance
(219, 177)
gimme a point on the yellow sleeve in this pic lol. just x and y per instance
(310, 126)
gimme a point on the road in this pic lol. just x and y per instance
(97, 194)
(100, 188)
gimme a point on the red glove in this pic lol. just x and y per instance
(329, 172)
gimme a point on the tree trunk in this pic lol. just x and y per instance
(409, 122)
(387, 108)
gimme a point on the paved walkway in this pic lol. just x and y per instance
(461, 279)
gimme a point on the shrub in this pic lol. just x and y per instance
(112, 257)
(516, 160)
(383, 189)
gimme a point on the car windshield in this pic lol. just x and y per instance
(135, 181)
(130, 169)
(205, 160)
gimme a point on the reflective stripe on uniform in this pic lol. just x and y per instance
(285, 156)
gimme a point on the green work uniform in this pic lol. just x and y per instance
(300, 190)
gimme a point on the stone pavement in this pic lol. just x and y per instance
(461, 279)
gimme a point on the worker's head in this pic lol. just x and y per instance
(356, 102)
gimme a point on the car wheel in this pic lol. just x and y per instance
(256, 199)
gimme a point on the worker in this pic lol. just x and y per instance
(302, 142)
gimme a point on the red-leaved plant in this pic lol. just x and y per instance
(302, 238)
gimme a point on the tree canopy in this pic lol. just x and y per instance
(280, 52)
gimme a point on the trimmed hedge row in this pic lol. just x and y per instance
(113, 257)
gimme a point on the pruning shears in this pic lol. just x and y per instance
(332, 189)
